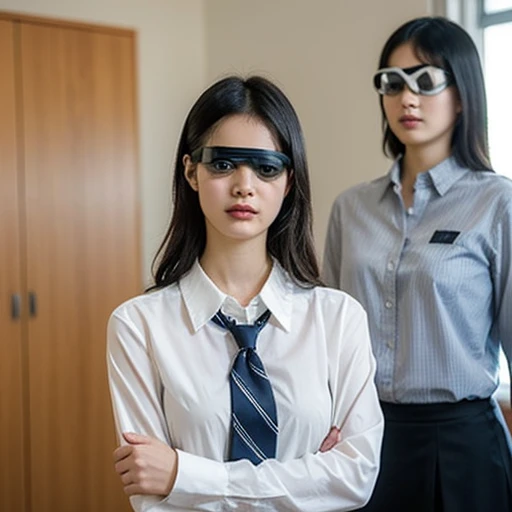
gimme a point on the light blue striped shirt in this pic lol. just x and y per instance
(436, 280)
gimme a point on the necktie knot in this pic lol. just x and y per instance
(244, 334)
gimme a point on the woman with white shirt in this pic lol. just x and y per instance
(427, 250)
(238, 252)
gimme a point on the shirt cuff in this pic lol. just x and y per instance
(199, 476)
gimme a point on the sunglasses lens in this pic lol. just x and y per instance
(426, 82)
(433, 81)
(268, 167)
(389, 83)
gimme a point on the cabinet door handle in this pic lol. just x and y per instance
(15, 306)
(32, 304)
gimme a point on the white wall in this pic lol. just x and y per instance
(323, 54)
(171, 74)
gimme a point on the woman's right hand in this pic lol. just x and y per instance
(146, 465)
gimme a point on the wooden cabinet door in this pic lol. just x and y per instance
(79, 130)
(12, 486)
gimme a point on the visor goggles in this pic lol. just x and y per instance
(424, 79)
(267, 164)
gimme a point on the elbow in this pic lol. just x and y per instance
(367, 471)
(369, 486)
(370, 471)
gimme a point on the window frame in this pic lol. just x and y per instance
(487, 19)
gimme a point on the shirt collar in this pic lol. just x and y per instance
(392, 178)
(203, 298)
(445, 174)
(442, 176)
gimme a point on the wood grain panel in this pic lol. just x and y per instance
(60, 23)
(12, 488)
(507, 413)
(83, 252)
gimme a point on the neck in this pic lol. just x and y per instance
(417, 160)
(238, 269)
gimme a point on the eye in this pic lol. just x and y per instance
(393, 84)
(425, 82)
(221, 166)
(269, 171)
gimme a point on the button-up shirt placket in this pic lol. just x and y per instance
(389, 298)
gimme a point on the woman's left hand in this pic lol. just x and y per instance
(331, 440)
(146, 465)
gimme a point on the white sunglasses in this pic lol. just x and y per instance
(424, 79)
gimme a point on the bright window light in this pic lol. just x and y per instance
(498, 78)
(491, 6)
(497, 41)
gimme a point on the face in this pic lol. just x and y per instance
(419, 121)
(238, 203)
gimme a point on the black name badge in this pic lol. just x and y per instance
(444, 237)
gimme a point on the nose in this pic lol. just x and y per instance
(243, 181)
(409, 98)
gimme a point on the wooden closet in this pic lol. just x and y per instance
(69, 253)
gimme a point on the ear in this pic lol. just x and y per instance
(458, 106)
(190, 172)
(458, 103)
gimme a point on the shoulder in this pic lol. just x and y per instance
(141, 308)
(363, 189)
(490, 182)
(369, 192)
(339, 320)
(333, 304)
(492, 188)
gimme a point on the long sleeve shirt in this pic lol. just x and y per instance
(435, 280)
(169, 370)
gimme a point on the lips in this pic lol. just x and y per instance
(409, 122)
(241, 208)
(407, 118)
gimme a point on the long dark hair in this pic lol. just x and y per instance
(290, 238)
(443, 43)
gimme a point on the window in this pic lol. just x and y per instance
(493, 6)
(496, 23)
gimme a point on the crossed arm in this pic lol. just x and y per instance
(149, 466)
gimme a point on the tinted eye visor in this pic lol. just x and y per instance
(425, 79)
(253, 157)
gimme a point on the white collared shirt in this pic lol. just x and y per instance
(169, 370)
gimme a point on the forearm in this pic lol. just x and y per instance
(341, 479)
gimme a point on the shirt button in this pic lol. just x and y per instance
(388, 304)
(391, 266)
(390, 345)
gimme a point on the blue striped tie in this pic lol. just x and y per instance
(253, 408)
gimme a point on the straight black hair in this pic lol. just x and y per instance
(290, 238)
(445, 44)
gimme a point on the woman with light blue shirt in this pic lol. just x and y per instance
(240, 382)
(427, 250)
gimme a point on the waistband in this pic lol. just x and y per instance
(430, 413)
